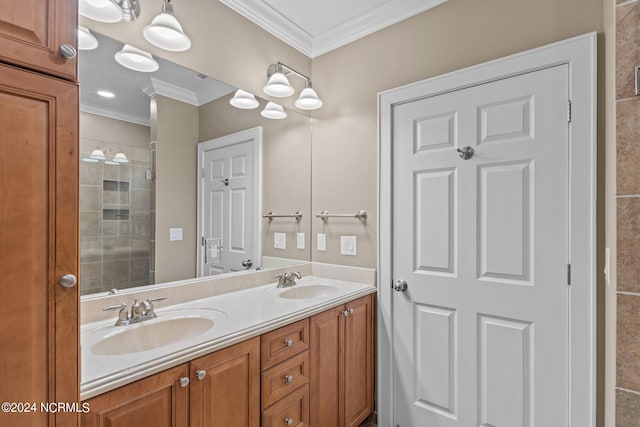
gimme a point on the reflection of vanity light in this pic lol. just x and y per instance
(273, 111)
(166, 32)
(100, 10)
(120, 158)
(244, 100)
(109, 162)
(86, 40)
(106, 94)
(97, 155)
(136, 59)
(89, 160)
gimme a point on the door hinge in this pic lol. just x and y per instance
(569, 111)
(203, 175)
(568, 274)
(202, 242)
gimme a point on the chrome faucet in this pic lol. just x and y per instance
(140, 311)
(288, 279)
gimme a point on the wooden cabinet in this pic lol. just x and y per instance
(159, 401)
(225, 387)
(285, 376)
(39, 332)
(32, 31)
(341, 382)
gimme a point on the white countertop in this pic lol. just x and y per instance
(237, 316)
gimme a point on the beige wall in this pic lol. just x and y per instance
(286, 172)
(176, 188)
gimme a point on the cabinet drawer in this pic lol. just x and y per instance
(279, 345)
(293, 410)
(282, 379)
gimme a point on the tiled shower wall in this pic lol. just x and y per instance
(628, 215)
(116, 223)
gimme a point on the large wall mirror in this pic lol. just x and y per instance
(150, 210)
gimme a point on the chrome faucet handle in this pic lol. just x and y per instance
(156, 299)
(148, 305)
(137, 309)
(297, 275)
(123, 314)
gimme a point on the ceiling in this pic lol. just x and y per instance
(315, 27)
(98, 70)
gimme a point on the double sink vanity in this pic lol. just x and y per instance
(234, 351)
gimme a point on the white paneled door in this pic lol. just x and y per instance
(481, 237)
(228, 203)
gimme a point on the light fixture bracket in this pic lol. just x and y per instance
(284, 69)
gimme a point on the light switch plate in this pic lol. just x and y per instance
(280, 240)
(348, 245)
(175, 234)
(322, 242)
(300, 240)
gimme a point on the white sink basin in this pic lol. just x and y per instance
(309, 291)
(152, 334)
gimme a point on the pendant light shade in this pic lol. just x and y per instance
(97, 155)
(273, 111)
(100, 10)
(120, 158)
(244, 100)
(308, 99)
(136, 59)
(278, 86)
(166, 32)
(86, 40)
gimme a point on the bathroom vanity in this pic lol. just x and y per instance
(300, 356)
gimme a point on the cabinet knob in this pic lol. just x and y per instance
(68, 51)
(350, 311)
(200, 374)
(288, 421)
(288, 342)
(345, 313)
(68, 281)
(288, 379)
(184, 381)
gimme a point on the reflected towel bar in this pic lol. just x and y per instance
(271, 215)
(324, 215)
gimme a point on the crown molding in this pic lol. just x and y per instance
(99, 110)
(197, 99)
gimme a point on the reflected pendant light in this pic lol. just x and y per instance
(100, 10)
(120, 158)
(166, 32)
(273, 111)
(244, 100)
(278, 86)
(86, 40)
(308, 99)
(97, 155)
(136, 59)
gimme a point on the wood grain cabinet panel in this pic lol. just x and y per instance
(282, 379)
(280, 344)
(293, 410)
(32, 31)
(39, 332)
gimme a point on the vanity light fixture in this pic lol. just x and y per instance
(98, 155)
(136, 59)
(278, 86)
(101, 10)
(244, 100)
(120, 158)
(273, 111)
(86, 40)
(106, 94)
(130, 9)
(166, 32)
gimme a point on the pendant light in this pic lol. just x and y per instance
(277, 85)
(308, 99)
(273, 111)
(130, 9)
(100, 10)
(166, 32)
(97, 155)
(244, 100)
(120, 158)
(86, 40)
(136, 59)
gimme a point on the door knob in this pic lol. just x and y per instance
(400, 286)
(200, 374)
(247, 263)
(466, 153)
(68, 51)
(68, 281)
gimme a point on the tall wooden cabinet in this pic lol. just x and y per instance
(39, 332)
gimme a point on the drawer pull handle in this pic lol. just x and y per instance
(288, 379)
(200, 374)
(288, 421)
(288, 342)
(184, 381)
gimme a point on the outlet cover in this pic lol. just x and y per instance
(348, 245)
(280, 240)
(175, 234)
(322, 242)
(300, 240)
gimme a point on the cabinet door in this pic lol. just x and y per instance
(358, 356)
(158, 401)
(229, 392)
(326, 370)
(292, 411)
(39, 332)
(31, 32)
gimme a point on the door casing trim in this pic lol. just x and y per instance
(580, 55)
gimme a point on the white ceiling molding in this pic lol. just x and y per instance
(301, 31)
(187, 96)
(115, 114)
